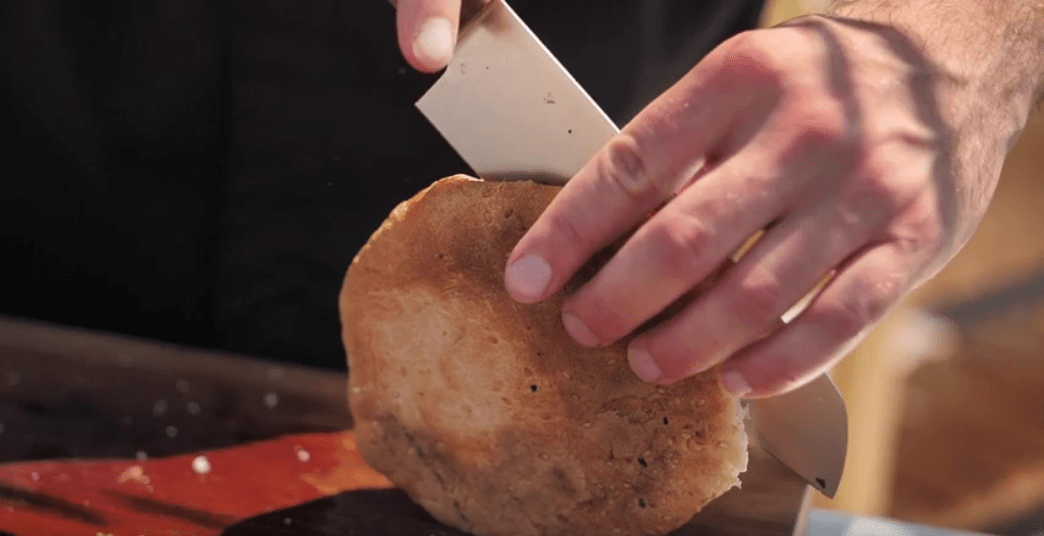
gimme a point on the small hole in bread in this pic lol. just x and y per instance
(665, 421)
(642, 462)
(641, 503)
(533, 388)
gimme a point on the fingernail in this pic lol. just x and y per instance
(528, 278)
(734, 383)
(643, 365)
(434, 43)
(579, 331)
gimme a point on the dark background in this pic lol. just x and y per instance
(202, 172)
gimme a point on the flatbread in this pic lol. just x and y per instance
(485, 411)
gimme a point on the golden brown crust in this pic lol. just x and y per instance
(486, 412)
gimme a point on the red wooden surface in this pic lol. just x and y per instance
(168, 496)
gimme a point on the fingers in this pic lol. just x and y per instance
(677, 248)
(748, 302)
(836, 320)
(634, 173)
(427, 32)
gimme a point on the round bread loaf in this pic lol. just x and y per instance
(485, 411)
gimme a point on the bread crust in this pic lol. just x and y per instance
(485, 411)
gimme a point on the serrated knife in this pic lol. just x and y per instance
(510, 109)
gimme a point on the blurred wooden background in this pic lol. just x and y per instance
(945, 397)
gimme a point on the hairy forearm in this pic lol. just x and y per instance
(994, 48)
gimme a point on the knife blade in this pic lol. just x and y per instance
(509, 108)
(511, 111)
(807, 430)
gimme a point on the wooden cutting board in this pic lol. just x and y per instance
(111, 435)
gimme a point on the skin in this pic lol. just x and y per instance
(866, 142)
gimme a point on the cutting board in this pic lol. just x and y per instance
(105, 434)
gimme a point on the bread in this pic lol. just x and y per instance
(485, 411)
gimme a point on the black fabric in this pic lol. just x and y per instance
(203, 172)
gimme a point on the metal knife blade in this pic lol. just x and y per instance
(511, 111)
(509, 108)
(807, 430)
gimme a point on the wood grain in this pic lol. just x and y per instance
(283, 468)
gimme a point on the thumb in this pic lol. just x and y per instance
(427, 32)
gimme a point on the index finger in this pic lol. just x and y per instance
(640, 168)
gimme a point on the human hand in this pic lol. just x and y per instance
(863, 160)
(427, 29)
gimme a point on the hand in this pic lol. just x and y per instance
(863, 160)
(427, 30)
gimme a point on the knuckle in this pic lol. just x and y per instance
(782, 371)
(746, 56)
(571, 232)
(677, 357)
(852, 312)
(874, 169)
(623, 165)
(922, 232)
(849, 316)
(758, 300)
(897, 208)
(821, 125)
(606, 316)
(683, 243)
(875, 191)
(775, 372)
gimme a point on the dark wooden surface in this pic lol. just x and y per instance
(104, 434)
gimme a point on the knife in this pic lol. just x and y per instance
(511, 111)
(507, 106)
(807, 430)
